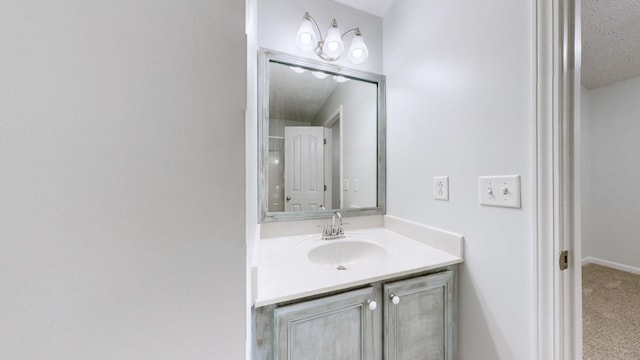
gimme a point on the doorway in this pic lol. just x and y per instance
(557, 209)
(304, 165)
(333, 153)
(609, 149)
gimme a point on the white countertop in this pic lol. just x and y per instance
(283, 271)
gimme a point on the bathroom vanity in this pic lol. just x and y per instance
(393, 298)
(409, 318)
(386, 289)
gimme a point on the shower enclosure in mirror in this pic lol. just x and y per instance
(321, 139)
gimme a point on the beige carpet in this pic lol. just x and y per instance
(611, 314)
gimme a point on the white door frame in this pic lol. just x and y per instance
(557, 216)
(336, 116)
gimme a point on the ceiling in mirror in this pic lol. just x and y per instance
(295, 93)
(322, 139)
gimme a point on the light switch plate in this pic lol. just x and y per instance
(501, 191)
(355, 185)
(441, 188)
(345, 184)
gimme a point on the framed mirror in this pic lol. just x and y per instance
(321, 139)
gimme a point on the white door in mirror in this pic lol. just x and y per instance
(500, 191)
(303, 168)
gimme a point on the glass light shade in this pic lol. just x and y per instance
(319, 74)
(333, 45)
(297, 69)
(306, 36)
(339, 79)
(358, 51)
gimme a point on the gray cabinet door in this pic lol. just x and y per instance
(421, 326)
(338, 327)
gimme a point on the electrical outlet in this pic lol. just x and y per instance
(441, 188)
(501, 191)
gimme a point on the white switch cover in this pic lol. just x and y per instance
(500, 191)
(441, 188)
(355, 185)
(345, 184)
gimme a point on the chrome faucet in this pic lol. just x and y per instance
(334, 231)
(337, 227)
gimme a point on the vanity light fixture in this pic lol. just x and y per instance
(332, 47)
(319, 75)
(339, 79)
(297, 69)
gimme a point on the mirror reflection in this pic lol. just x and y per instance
(322, 140)
(323, 134)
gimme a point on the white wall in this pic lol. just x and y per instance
(460, 103)
(585, 173)
(278, 22)
(251, 146)
(122, 195)
(614, 173)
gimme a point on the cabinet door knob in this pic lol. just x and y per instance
(372, 304)
(395, 299)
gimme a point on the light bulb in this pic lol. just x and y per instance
(358, 51)
(306, 36)
(339, 79)
(333, 45)
(319, 74)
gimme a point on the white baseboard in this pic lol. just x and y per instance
(611, 264)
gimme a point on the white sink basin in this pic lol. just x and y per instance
(347, 254)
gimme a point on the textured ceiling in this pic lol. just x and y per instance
(610, 41)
